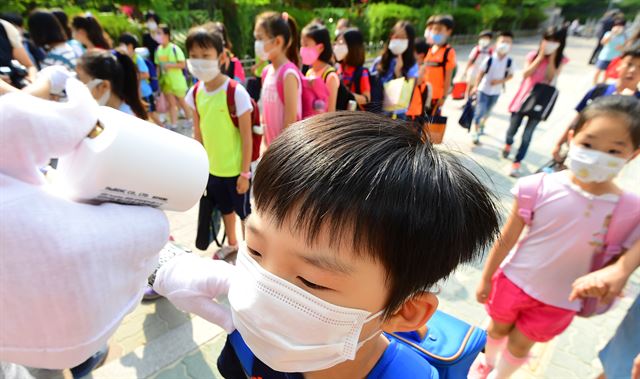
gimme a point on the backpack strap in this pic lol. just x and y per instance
(476, 54)
(488, 65)
(244, 354)
(357, 78)
(445, 58)
(528, 189)
(326, 73)
(506, 70)
(196, 87)
(625, 217)
(231, 101)
(61, 58)
(598, 91)
(280, 78)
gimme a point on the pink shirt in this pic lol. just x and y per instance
(527, 84)
(272, 105)
(569, 226)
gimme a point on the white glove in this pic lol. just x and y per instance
(57, 77)
(69, 272)
(191, 283)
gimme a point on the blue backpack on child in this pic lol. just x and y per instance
(153, 75)
(450, 345)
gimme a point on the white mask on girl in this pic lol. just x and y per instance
(204, 69)
(104, 99)
(593, 166)
(340, 51)
(398, 46)
(259, 50)
(550, 47)
(289, 329)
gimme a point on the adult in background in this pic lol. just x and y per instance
(149, 38)
(604, 25)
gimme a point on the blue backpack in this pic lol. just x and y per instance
(450, 345)
(153, 75)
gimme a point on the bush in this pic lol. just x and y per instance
(467, 20)
(382, 16)
(116, 24)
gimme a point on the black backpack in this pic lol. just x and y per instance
(540, 102)
(344, 91)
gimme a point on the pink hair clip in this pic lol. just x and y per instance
(285, 16)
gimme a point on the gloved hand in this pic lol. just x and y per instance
(69, 272)
(191, 283)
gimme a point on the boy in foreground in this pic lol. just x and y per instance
(356, 219)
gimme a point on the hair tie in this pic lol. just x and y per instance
(88, 14)
(285, 16)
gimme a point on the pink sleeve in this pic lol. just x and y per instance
(239, 71)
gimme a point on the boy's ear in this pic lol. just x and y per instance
(413, 314)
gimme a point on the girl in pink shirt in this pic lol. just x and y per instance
(543, 66)
(276, 37)
(526, 281)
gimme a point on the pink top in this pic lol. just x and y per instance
(272, 105)
(527, 84)
(568, 227)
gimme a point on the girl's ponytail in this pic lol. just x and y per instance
(129, 92)
(294, 45)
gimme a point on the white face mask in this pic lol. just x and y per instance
(484, 42)
(152, 26)
(340, 51)
(591, 166)
(550, 47)
(289, 329)
(104, 99)
(259, 49)
(398, 46)
(503, 47)
(204, 69)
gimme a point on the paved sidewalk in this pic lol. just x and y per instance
(158, 341)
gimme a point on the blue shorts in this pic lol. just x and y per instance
(227, 198)
(602, 65)
(617, 357)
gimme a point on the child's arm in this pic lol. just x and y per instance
(291, 97)
(533, 65)
(476, 85)
(508, 238)
(333, 82)
(197, 134)
(244, 124)
(608, 282)
(606, 38)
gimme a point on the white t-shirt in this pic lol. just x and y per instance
(13, 34)
(496, 72)
(242, 98)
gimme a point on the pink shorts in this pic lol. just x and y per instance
(539, 322)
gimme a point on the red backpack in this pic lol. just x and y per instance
(625, 217)
(231, 104)
(315, 94)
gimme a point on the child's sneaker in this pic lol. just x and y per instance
(475, 137)
(515, 170)
(225, 252)
(506, 151)
(479, 369)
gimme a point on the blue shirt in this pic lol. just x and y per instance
(145, 88)
(397, 361)
(588, 98)
(609, 51)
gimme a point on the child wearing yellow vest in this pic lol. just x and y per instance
(228, 146)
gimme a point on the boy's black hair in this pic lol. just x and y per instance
(619, 22)
(166, 29)
(204, 38)
(633, 52)
(506, 33)
(373, 182)
(320, 35)
(486, 33)
(152, 15)
(421, 45)
(445, 20)
(626, 106)
(129, 39)
(13, 18)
